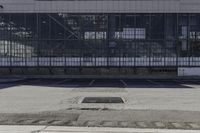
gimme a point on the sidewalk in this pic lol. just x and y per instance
(56, 129)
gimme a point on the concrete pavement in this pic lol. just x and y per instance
(148, 104)
(56, 129)
(39, 98)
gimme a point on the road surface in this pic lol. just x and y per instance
(161, 104)
(50, 129)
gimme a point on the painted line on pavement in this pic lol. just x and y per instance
(153, 82)
(62, 81)
(124, 83)
(91, 83)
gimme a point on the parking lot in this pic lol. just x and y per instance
(118, 83)
(143, 103)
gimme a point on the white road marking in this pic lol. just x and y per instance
(177, 125)
(123, 123)
(124, 83)
(90, 84)
(184, 83)
(62, 81)
(107, 123)
(159, 124)
(142, 124)
(194, 125)
(178, 81)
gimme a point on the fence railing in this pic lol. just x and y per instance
(100, 61)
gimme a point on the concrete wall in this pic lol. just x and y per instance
(101, 6)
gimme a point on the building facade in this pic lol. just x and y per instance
(100, 33)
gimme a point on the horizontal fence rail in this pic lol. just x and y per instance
(100, 62)
(99, 40)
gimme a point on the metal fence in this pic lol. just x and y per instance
(99, 40)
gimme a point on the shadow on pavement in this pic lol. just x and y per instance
(115, 83)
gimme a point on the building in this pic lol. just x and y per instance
(100, 34)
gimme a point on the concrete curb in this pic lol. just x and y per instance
(57, 129)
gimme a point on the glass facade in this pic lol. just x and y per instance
(99, 40)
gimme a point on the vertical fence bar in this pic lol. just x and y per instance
(38, 34)
(177, 39)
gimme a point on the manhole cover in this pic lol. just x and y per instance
(102, 100)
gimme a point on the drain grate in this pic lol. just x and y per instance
(102, 100)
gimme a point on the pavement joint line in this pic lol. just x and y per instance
(124, 83)
(40, 130)
(33, 81)
(62, 81)
(123, 123)
(107, 123)
(177, 125)
(61, 129)
(159, 124)
(89, 123)
(153, 82)
(90, 84)
(181, 82)
(184, 83)
(193, 125)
